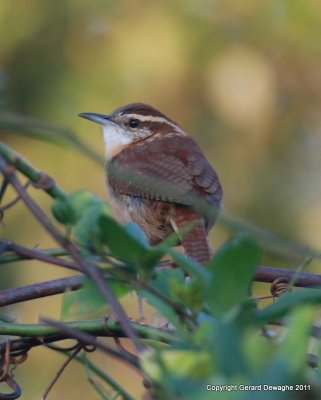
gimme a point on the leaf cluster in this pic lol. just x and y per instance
(223, 336)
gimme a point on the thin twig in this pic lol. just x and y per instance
(60, 371)
(179, 308)
(295, 276)
(3, 188)
(263, 297)
(14, 201)
(83, 359)
(13, 257)
(36, 254)
(120, 347)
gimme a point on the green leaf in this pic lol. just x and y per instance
(129, 243)
(191, 267)
(259, 351)
(287, 302)
(190, 293)
(63, 212)
(87, 230)
(232, 268)
(121, 242)
(177, 363)
(166, 279)
(74, 207)
(203, 332)
(288, 365)
(136, 231)
(227, 348)
(151, 258)
(295, 346)
(151, 255)
(88, 300)
(165, 309)
(171, 284)
(80, 200)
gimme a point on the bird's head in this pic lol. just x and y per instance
(130, 124)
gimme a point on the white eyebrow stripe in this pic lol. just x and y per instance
(156, 119)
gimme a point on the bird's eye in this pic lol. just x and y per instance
(134, 123)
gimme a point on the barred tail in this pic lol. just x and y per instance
(195, 241)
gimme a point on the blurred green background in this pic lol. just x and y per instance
(242, 77)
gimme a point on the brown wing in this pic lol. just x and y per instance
(164, 169)
(179, 174)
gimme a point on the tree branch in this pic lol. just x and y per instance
(108, 327)
(302, 279)
(38, 290)
(32, 254)
(33, 335)
(90, 269)
(58, 286)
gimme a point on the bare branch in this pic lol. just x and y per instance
(49, 288)
(35, 254)
(303, 279)
(38, 290)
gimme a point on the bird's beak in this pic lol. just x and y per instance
(102, 119)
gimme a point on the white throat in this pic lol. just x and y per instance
(115, 140)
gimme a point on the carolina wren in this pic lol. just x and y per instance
(143, 141)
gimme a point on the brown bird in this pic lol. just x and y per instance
(158, 177)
